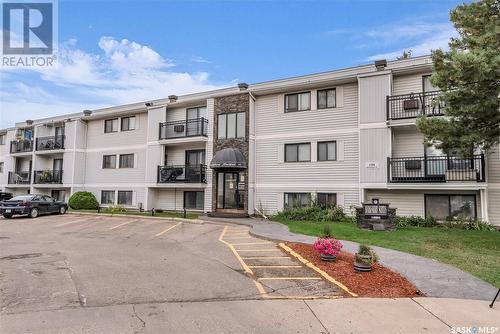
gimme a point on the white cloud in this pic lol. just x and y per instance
(417, 35)
(200, 60)
(122, 72)
(439, 40)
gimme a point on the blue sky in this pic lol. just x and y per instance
(115, 52)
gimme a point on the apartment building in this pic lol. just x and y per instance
(341, 137)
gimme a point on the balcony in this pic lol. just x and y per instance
(436, 169)
(20, 146)
(48, 177)
(187, 128)
(414, 105)
(182, 174)
(50, 143)
(19, 178)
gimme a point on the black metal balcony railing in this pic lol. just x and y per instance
(187, 128)
(436, 169)
(414, 105)
(19, 178)
(182, 174)
(18, 146)
(48, 176)
(50, 143)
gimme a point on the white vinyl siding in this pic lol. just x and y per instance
(406, 84)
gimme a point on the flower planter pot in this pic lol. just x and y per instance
(363, 262)
(326, 257)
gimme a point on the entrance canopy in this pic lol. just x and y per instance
(228, 158)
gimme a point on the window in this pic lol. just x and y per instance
(194, 200)
(128, 123)
(111, 125)
(427, 85)
(58, 195)
(126, 161)
(231, 125)
(327, 200)
(2, 139)
(297, 152)
(124, 197)
(298, 102)
(327, 98)
(293, 200)
(327, 151)
(1, 167)
(109, 161)
(108, 197)
(444, 207)
(198, 112)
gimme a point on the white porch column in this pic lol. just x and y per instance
(483, 193)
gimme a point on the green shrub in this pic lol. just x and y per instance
(327, 231)
(417, 221)
(469, 224)
(313, 213)
(115, 209)
(83, 200)
(366, 250)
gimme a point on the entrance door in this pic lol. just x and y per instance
(230, 190)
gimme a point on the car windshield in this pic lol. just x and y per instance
(22, 198)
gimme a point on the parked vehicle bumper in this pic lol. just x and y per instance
(14, 210)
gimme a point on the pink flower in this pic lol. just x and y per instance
(328, 246)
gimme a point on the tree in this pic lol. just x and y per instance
(405, 55)
(469, 77)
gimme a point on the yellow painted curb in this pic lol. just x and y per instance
(316, 269)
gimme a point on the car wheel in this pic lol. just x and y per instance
(7, 215)
(34, 213)
(62, 210)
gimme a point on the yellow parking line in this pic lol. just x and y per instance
(126, 223)
(74, 222)
(259, 286)
(275, 267)
(253, 243)
(288, 278)
(264, 257)
(316, 269)
(168, 229)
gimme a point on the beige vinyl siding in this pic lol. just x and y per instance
(138, 193)
(176, 155)
(169, 199)
(411, 202)
(274, 129)
(494, 206)
(176, 114)
(407, 143)
(96, 174)
(493, 163)
(373, 92)
(97, 139)
(405, 84)
(374, 150)
(272, 120)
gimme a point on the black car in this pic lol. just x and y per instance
(32, 205)
(5, 196)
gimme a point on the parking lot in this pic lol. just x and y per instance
(71, 262)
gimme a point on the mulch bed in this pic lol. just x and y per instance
(380, 282)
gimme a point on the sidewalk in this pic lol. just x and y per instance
(345, 315)
(433, 278)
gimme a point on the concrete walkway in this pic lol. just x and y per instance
(345, 315)
(433, 278)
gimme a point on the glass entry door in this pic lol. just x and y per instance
(230, 190)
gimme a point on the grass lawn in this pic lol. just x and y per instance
(189, 215)
(477, 252)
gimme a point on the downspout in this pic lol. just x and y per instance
(253, 162)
